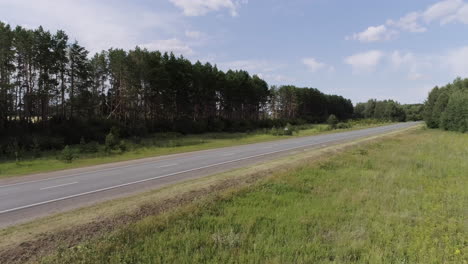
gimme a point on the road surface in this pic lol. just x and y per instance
(25, 198)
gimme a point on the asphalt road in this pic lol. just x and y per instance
(25, 198)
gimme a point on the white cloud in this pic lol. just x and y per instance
(409, 23)
(276, 78)
(414, 76)
(457, 61)
(95, 24)
(414, 66)
(451, 63)
(442, 9)
(408, 62)
(202, 7)
(169, 45)
(270, 71)
(372, 34)
(252, 66)
(398, 59)
(365, 61)
(446, 11)
(313, 65)
(193, 34)
(460, 16)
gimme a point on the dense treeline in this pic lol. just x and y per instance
(413, 112)
(309, 104)
(447, 107)
(388, 110)
(52, 92)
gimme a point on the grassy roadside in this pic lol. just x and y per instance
(157, 146)
(23, 242)
(402, 200)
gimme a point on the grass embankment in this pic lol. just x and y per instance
(158, 145)
(403, 200)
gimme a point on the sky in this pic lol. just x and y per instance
(360, 49)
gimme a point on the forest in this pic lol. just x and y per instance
(447, 107)
(387, 110)
(53, 92)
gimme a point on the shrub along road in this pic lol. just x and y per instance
(40, 195)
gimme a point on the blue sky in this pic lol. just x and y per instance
(360, 49)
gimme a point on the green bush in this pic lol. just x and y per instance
(36, 148)
(289, 130)
(366, 122)
(15, 149)
(123, 146)
(91, 147)
(217, 125)
(67, 154)
(273, 131)
(332, 121)
(136, 139)
(115, 131)
(111, 143)
(52, 143)
(455, 116)
(82, 145)
(342, 125)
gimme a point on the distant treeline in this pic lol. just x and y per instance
(388, 110)
(53, 93)
(308, 104)
(447, 107)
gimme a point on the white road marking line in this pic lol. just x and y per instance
(350, 133)
(78, 174)
(154, 178)
(145, 180)
(56, 186)
(169, 165)
(371, 131)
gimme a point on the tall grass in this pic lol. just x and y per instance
(404, 200)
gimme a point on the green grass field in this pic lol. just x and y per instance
(399, 200)
(157, 145)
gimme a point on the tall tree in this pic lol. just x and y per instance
(44, 62)
(79, 74)
(25, 72)
(6, 72)
(446, 107)
(60, 46)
